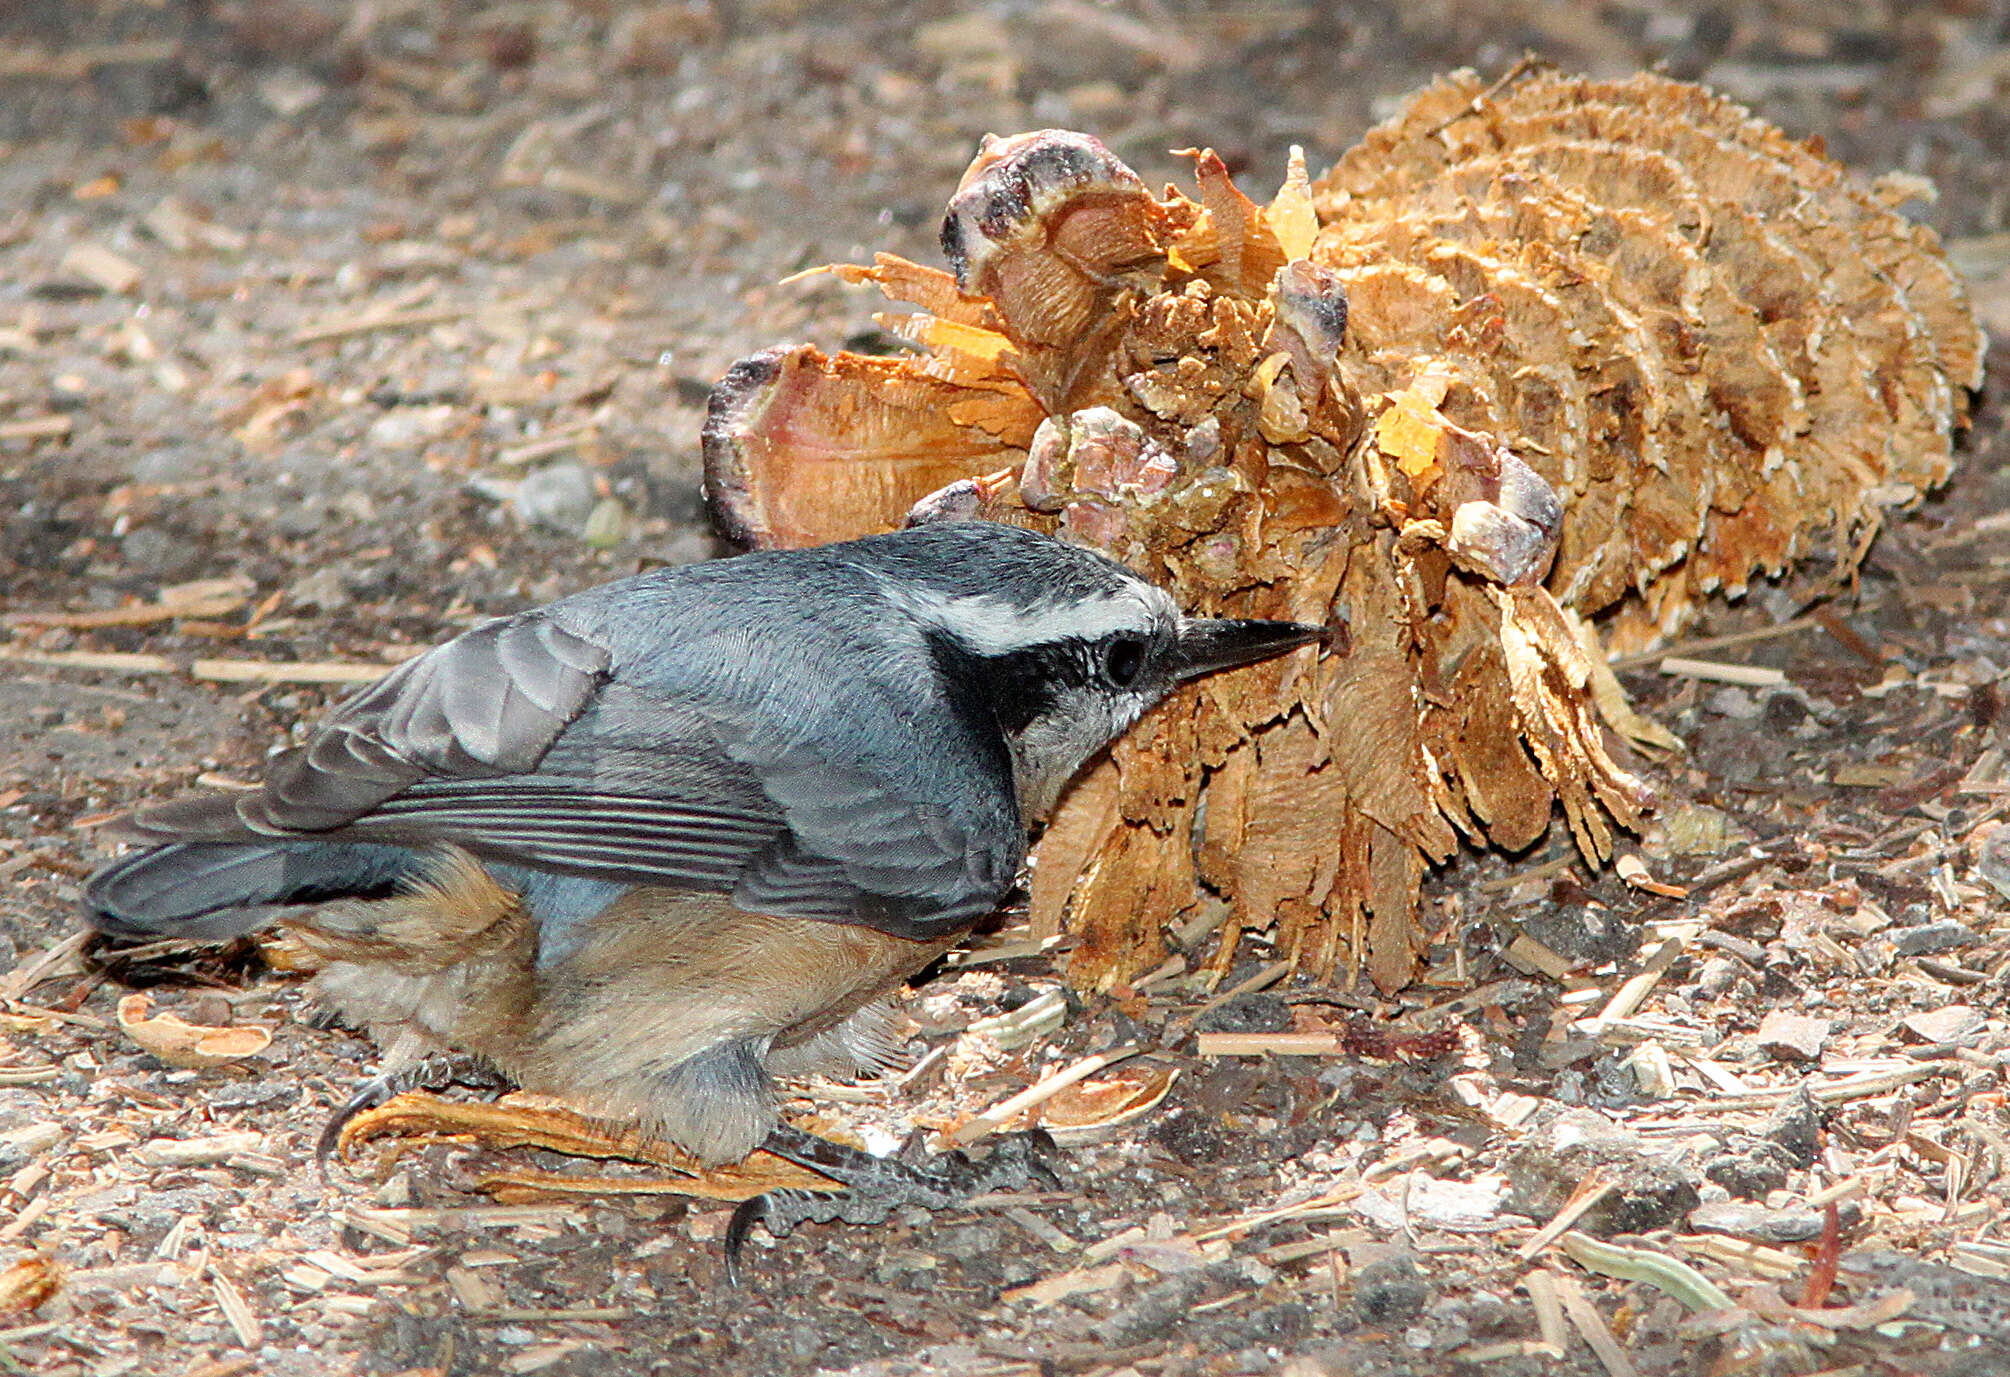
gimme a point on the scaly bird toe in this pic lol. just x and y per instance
(434, 1072)
(877, 1186)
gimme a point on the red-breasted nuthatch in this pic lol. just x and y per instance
(654, 843)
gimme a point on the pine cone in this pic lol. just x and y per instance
(1530, 354)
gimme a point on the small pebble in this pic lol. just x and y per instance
(606, 525)
(1389, 1290)
(1792, 1037)
(1929, 939)
(1762, 1225)
(1950, 1024)
(1992, 862)
(560, 499)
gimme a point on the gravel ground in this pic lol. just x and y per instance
(339, 326)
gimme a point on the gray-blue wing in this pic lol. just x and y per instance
(488, 703)
(649, 791)
(907, 848)
(520, 742)
(635, 789)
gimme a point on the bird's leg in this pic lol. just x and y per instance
(430, 1071)
(876, 1186)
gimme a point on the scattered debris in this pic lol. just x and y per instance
(1840, 837)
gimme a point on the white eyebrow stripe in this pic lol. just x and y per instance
(994, 626)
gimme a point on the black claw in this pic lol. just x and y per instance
(432, 1073)
(374, 1092)
(751, 1212)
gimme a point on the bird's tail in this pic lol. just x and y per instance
(224, 880)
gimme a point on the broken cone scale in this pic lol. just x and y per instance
(178, 1042)
(532, 1121)
(1534, 354)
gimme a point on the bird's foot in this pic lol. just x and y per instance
(877, 1186)
(435, 1071)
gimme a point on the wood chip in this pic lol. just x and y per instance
(258, 1164)
(1751, 676)
(543, 1356)
(1946, 1024)
(175, 1239)
(1718, 1075)
(400, 1224)
(1591, 1326)
(1792, 1037)
(1589, 1192)
(31, 1139)
(1541, 1287)
(184, 1044)
(216, 671)
(368, 322)
(1978, 1259)
(1027, 1024)
(1531, 957)
(1724, 642)
(28, 1075)
(1511, 1109)
(1860, 1086)
(1870, 776)
(139, 614)
(125, 1277)
(1635, 990)
(375, 1269)
(1040, 1229)
(181, 228)
(1268, 1044)
(1653, 1072)
(999, 1116)
(557, 442)
(1328, 1201)
(488, 1257)
(197, 1152)
(225, 1367)
(236, 1310)
(1081, 1281)
(99, 265)
(30, 1215)
(37, 427)
(80, 61)
(474, 1291)
(1743, 1257)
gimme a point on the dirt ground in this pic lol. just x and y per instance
(336, 325)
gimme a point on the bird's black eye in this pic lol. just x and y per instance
(1123, 659)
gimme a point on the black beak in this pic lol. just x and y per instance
(1207, 644)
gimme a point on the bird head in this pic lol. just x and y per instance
(1060, 647)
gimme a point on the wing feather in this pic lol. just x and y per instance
(617, 734)
(489, 702)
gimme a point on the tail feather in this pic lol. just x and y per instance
(209, 890)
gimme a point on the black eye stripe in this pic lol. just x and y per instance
(1018, 687)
